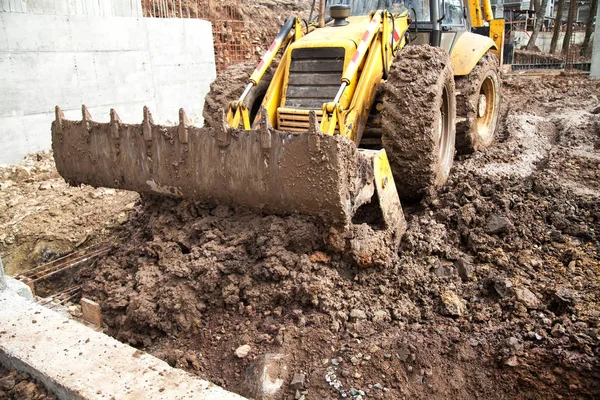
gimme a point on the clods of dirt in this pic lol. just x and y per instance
(494, 292)
(21, 386)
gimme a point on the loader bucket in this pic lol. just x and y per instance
(266, 169)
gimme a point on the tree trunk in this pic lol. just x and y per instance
(589, 27)
(540, 11)
(557, 26)
(570, 21)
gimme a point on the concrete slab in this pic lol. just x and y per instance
(102, 62)
(75, 362)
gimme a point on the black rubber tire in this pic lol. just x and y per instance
(472, 135)
(228, 86)
(419, 80)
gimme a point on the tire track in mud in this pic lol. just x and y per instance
(529, 142)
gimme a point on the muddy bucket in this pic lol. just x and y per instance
(265, 169)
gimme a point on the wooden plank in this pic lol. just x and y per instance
(31, 285)
(91, 311)
(324, 78)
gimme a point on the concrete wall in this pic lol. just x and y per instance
(102, 62)
(99, 8)
(544, 39)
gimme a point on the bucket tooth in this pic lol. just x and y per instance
(223, 131)
(58, 118)
(85, 117)
(184, 122)
(147, 124)
(115, 123)
(314, 141)
(264, 127)
(313, 123)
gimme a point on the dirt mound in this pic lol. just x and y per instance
(494, 292)
(191, 260)
(42, 217)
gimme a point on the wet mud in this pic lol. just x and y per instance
(493, 293)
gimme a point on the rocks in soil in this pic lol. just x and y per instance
(526, 297)
(515, 344)
(21, 386)
(298, 381)
(557, 331)
(45, 186)
(502, 286)
(243, 351)
(497, 224)
(381, 316)
(6, 184)
(7, 383)
(566, 297)
(452, 305)
(465, 269)
(512, 361)
(357, 314)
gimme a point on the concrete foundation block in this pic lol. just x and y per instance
(76, 362)
(18, 288)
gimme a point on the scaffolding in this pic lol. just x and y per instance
(231, 42)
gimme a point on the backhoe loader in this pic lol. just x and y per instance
(342, 118)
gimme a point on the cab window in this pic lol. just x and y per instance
(364, 7)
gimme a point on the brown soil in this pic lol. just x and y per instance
(41, 217)
(21, 386)
(493, 294)
(229, 86)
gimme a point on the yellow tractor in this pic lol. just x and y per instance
(356, 113)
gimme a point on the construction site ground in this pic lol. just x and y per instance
(494, 292)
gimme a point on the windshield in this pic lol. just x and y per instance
(453, 10)
(453, 13)
(364, 7)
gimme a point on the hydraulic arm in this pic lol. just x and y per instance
(495, 30)
(366, 63)
(238, 110)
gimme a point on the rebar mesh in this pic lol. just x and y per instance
(231, 42)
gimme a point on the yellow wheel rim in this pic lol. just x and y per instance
(487, 107)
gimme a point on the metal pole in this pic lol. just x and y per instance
(595, 68)
(321, 13)
(436, 26)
